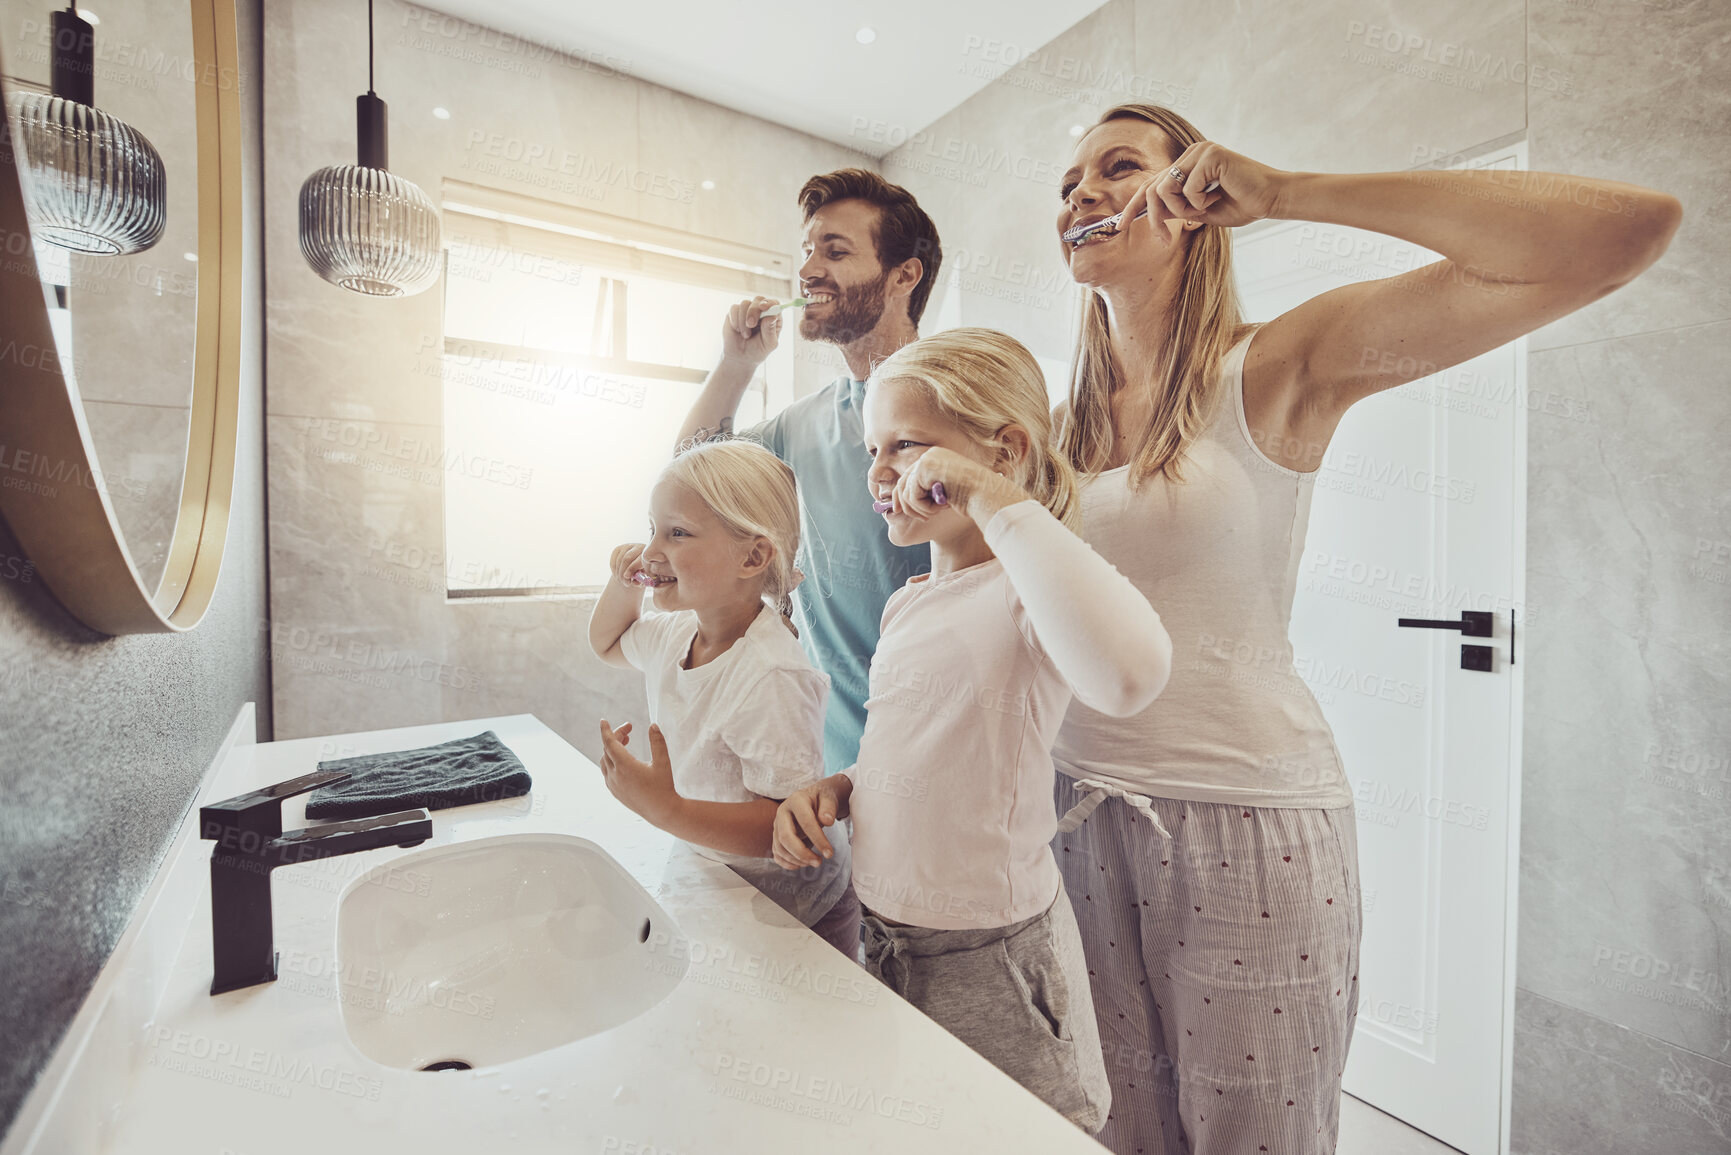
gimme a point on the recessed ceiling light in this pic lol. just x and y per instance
(87, 15)
(708, 186)
(442, 113)
(190, 256)
(866, 35)
(1077, 130)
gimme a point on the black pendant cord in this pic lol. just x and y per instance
(72, 58)
(373, 143)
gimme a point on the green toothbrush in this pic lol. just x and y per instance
(796, 303)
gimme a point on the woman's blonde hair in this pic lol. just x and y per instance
(1206, 323)
(986, 381)
(752, 491)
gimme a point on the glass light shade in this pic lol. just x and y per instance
(369, 231)
(92, 182)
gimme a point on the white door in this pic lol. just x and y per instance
(1418, 513)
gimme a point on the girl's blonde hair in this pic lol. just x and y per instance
(1206, 323)
(987, 380)
(752, 491)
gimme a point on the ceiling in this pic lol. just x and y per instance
(800, 65)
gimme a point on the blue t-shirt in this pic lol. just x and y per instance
(850, 567)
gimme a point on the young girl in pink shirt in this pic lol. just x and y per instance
(964, 912)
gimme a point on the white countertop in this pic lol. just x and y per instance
(773, 1042)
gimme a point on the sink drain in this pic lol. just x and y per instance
(449, 1065)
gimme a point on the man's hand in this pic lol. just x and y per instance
(747, 336)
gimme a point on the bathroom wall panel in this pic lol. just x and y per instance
(948, 198)
(534, 657)
(1625, 879)
(1649, 103)
(357, 574)
(1344, 85)
(1015, 141)
(757, 168)
(1626, 841)
(103, 740)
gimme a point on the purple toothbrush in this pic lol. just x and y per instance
(939, 497)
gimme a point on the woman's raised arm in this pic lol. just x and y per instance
(1519, 250)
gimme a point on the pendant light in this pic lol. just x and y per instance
(361, 227)
(92, 182)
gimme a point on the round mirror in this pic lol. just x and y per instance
(124, 322)
(122, 159)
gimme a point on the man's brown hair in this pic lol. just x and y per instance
(903, 229)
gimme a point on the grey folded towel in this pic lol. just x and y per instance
(455, 773)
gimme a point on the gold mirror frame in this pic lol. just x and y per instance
(71, 532)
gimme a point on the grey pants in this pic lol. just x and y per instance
(1017, 994)
(840, 927)
(1225, 966)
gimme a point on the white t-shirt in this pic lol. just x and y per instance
(746, 725)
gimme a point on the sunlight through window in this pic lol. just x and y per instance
(569, 365)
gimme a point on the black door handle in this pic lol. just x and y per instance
(1473, 624)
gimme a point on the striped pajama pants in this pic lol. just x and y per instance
(1224, 968)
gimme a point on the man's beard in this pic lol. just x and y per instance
(854, 313)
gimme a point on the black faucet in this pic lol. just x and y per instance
(250, 843)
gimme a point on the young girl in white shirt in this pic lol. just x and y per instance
(965, 913)
(735, 707)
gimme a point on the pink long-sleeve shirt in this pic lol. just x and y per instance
(952, 800)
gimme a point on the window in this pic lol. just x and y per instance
(574, 344)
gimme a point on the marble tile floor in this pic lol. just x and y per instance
(1366, 1131)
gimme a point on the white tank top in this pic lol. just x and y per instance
(1217, 556)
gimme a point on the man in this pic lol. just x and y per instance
(871, 258)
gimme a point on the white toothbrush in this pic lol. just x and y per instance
(1081, 233)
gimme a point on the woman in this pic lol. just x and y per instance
(1211, 855)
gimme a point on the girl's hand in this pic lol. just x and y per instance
(1248, 191)
(626, 561)
(969, 487)
(798, 839)
(646, 787)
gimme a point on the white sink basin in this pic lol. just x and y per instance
(482, 952)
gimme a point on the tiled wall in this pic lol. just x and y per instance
(1623, 1020)
(1626, 838)
(356, 577)
(103, 740)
